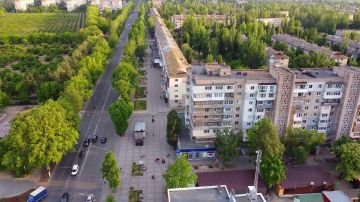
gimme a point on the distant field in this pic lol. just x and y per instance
(25, 23)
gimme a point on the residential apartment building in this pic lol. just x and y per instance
(111, 4)
(21, 5)
(352, 47)
(47, 3)
(173, 64)
(315, 99)
(294, 42)
(178, 20)
(276, 22)
(73, 4)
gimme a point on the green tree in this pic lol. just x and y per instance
(349, 158)
(226, 144)
(254, 53)
(110, 171)
(38, 138)
(300, 143)
(280, 46)
(173, 128)
(47, 90)
(272, 170)
(220, 59)
(263, 135)
(336, 147)
(209, 59)
(179, 174)
(110, 198)
(4, 100)
(120, 112)
(188, 52)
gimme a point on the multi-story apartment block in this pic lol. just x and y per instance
(173, 64)
(111, 4)
(276, 22)
(314, 99)
(353, 47)
(73, 4)
(294, 42)
(21, 5)
(47, 3)
(178, 20)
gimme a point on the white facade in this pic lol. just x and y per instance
(21, 5)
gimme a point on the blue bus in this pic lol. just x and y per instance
(37, 194)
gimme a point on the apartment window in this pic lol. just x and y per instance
(239, 86)
(260, 110)
(176, 101)
(309, 93)
(271, 94)
(237, 115)
(305, 114)
(314, 114)
(206, 109)
(310, 86)
(306, 108)
(319, 86)
(176, 79)
(239, 93)
(298, 115)
(307, 101)
(218, 87)
(262, 95)
(302, 86)
(207, 87)
(206, 131)
(228, 102)
(300, 94)
(331, 113)
(216, 131)
(218, 94)
(206, 117)
(251, 95)
(318, 93)
(176, 90)
(252, 87)
(260, 102)
(236, 122)
(237, 108)
(316, 107)
(227, 109)
(230, 87)
(251, 102)
(176, 96)
(176, 85)
(250, 110)
(324, 115)
(297, 122)
(304, 121)
(269, 102)
(248, 123)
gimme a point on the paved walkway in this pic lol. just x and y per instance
(10, 186)
(155, 144)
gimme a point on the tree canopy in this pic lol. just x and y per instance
(263, 135)
(120, 111)
(173, 128)
(37, 138)
(179, 174)
(111, 171)
(349, 158)
(226, 144)
(272, 170)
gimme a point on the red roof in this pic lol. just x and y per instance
(302, 176)
(239, 180)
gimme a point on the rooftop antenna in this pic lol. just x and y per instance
(253, 190)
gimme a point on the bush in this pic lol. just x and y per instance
(173, 128)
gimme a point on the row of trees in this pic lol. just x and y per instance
(173, 128)
(33, 143)
(117, 25)
(125, 78)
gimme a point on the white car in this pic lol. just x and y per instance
(90, 198)
(74, 170)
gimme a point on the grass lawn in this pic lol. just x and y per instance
(134, 195)
(140, 92)
(140, 105)
(136, 169)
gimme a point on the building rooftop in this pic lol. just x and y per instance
(338, 196)
(338, 40)
(174, 60)
(209, 17)
(304, 176)
(238, 180)
(199, 194)
(312, 73)
(245, 198)
(186, 143)
(270, 52)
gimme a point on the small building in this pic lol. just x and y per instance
(218, 193)
(276, 58)
(139, 133)
(325, 196)
(21, 5)
(178, 20)
(305, 179)
(276, 22)
(237, 180)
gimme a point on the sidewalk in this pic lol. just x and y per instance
(11, 186)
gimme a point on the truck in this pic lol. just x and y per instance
(37, 194)
(139, 133)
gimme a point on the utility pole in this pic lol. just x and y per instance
(254, 189)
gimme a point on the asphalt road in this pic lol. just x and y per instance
(95, 121)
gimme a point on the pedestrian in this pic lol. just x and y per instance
(168, 155)
(163, 161)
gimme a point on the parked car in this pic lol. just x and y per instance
(103, 140)
(75, 170)
(37, 194)
(94, 138)
(355, 183)
(82, 153)
(65, 197)
(90, 198)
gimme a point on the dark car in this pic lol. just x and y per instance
(355, 183)
(82, 153)
(94, 138)
(86, 143)
(103, 140)
(65, 197)
(139, 142)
